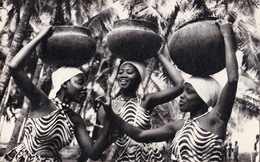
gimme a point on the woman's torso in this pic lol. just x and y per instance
(130, 150)
(131, 112)
(47, 135)
(193, 143)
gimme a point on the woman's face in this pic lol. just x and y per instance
(128, 76)
(189, 99)
(76, 89)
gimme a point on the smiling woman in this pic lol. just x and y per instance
(201, 137)
(52, 124)
(136, 110)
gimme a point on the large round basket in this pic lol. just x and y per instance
(197, 48)
(68, 46)
(135, 40)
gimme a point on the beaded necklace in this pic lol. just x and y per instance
(61, 105)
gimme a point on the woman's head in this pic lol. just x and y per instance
(71, 81)
(131, 74)
(199, 91)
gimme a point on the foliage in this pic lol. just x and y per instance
(100, 15)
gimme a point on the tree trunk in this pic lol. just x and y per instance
(112, 78)
(3, 103)
(18, 124)
(16, 45)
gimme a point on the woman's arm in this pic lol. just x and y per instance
(163, 133)
(223, 109)
(177, 82)
(89, 148)
(34, 94)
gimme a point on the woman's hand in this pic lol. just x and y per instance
(26, 51)
(114, 133)
(104, 101)
(224, 26)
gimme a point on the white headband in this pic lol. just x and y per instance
(60, 76)
(139, 66)
(207, 88)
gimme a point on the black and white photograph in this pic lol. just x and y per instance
(129, 80)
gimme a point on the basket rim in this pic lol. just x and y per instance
(195, 20)
(138, 22)
(76, 28)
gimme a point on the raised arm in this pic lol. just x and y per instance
(169, 93)
(34, 94)
(225, 103)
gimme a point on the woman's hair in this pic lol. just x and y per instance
(207, 88)
(60, 76)
(139, 67)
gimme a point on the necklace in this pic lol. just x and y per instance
(61, 105)
(120, 98)
(189, 120)
(200, 116)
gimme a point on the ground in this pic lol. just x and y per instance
(70, 153)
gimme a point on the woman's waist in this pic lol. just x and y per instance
(44, 151)
(48, 154)
(41, 154)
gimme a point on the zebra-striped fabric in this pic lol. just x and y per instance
(49, 133)
(193, 143)
(128, 149)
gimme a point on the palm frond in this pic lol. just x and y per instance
(244, 28)
(45, 11)
(248, 95)
(148, 11)
(102, 23)
(66, 8)
(78, 14)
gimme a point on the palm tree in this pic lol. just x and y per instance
(99, 17)
(19, 36)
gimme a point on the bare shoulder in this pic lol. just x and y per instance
(146, 98)
(215, 117)
(42, 109)
(147, 101)
(213, 123)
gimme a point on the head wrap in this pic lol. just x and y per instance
(207, 88)
(139, 66)
(60, 76)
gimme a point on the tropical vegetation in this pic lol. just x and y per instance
(21, 20)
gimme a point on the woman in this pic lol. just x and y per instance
(200, 138)
(255, 153)
(136, 110)
(51, 123)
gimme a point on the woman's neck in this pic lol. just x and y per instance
(201, 111)
(63, 98)
(127, 95)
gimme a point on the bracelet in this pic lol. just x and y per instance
(98, 125)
